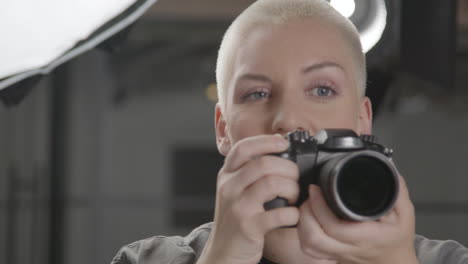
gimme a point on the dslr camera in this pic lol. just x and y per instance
(356, 174)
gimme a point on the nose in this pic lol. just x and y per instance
(287, 117)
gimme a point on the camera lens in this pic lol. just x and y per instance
(366, 185)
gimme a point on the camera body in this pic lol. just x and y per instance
(355, 173)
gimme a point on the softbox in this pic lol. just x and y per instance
(38, 36)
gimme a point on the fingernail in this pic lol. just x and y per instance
(312, 192)
(283, 143)
(279, 135)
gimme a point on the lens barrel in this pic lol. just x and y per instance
(359, 186)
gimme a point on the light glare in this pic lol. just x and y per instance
(345, 7)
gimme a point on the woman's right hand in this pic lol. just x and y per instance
(248, 179)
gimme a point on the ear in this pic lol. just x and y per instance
(365, 116)
(222, 139)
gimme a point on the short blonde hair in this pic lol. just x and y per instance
(277, 12)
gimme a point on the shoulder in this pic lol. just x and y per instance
(185, 249)
(440, 251)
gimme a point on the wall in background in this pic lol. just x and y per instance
(128, 113)
(130, 145)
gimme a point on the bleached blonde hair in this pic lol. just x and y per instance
(277, 12)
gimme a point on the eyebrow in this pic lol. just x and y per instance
(311, 68)
(255, 77)
(321, 65)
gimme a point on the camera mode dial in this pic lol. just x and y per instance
(299, 136)
(339, 139)
(369, 138)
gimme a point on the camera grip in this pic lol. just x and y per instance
(275, 203)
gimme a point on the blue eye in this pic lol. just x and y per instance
(323, 91)
(255, 96)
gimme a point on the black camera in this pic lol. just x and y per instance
(355, 173)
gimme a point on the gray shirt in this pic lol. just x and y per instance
(187, 250)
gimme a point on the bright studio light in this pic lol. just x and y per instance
(369, 17)
(371, 34)
(345, 7)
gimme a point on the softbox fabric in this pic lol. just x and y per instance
(38, 36)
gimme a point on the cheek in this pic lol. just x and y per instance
(341, 116)
(243, 124)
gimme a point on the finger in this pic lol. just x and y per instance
(403, 209)
(268, 188)
(334, 226)
(232, 185)
(403, 199)
(320, 208)
(262, 167)
(313, 239)
(346, 231)
(267, 221)
(252, 147)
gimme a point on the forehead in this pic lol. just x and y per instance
(296, 41)
(276, 50)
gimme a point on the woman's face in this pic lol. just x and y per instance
(299, 75)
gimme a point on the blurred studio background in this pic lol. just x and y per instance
(118, 144)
